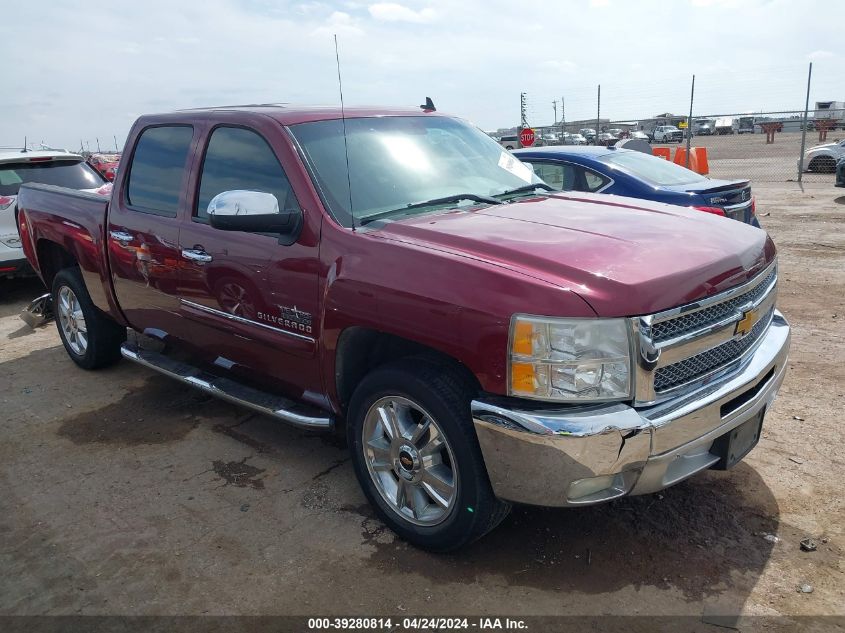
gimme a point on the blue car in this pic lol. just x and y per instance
(635, 174)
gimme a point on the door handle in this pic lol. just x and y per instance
(121, 236)
(196, 255)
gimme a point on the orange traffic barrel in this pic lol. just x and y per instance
(698, 156)
(697, 159)
(662, 152)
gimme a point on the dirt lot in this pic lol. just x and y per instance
(122, 492)
(748, 154)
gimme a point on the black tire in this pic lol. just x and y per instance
(104, 336)
(445, 394)
(822, 165)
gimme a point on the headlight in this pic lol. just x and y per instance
(569, 360)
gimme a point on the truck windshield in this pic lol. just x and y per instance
(397, 161)
(655, 170)
(62, 173)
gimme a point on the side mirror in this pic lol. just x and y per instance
(255, 211)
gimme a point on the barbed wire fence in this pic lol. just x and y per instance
(770, 143)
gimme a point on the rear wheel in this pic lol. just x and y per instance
(417, 458)
(91, 339)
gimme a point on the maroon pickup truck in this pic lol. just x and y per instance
(481, 339)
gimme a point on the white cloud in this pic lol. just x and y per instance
(341, 23)
(820, 55)
(393, 12)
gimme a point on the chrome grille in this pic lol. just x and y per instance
(686, 323)
(690, 369)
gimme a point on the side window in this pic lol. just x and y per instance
(561, 176)
(237, 158)
(594, 181)
(158, 164)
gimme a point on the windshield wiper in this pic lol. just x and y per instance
(526, 189)
(430, 203)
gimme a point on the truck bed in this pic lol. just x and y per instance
(59, 219)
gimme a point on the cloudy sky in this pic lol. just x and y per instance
(79, 70)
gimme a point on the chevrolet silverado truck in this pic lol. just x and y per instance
(480, 339)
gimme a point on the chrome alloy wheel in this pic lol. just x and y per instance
(409, 460)
(72, 321)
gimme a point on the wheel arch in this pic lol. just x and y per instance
(52, 257)
(360, 350)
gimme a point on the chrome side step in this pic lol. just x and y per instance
(289, 411)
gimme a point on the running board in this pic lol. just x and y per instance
(289, 411)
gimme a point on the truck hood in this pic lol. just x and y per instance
(624, 256)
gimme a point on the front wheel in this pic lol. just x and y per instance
(417, 458)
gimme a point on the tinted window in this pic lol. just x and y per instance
(655, 170)
(241, 159)
(155, 176)
(65, 173)
(561, 176)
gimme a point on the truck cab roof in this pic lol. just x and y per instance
(293, 114)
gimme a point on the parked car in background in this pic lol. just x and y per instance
(550, 138)
(510, 142)
(617, 132)
(106, 164)
(606, 138)
(703, 127)
(637, 175)
(573, 139)
(823, 158)
(667, 134)
(588, 133)
(480, 339)
(638, 135)
(50, 167)
(840, 172)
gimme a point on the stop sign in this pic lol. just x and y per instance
(526, 137)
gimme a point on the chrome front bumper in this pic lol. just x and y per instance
(584, 455)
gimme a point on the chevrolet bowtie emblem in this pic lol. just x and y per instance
(746, 323)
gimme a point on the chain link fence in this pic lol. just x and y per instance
(766, 144)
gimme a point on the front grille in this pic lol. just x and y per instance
(686, 323)
(699, 365)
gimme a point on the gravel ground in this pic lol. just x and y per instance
(125, 493)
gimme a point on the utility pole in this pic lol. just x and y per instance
(98, 144)
(598, 117)
(804, 125)
(562, 115)
(116, 149)
(523, 121)
(689, 120)
(554, 105)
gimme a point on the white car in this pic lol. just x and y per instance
(667, 134)
(51, 167)
(822, 158)
(573, 139)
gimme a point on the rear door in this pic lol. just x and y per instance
(250, 300)
(143, 228)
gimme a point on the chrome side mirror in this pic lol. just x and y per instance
(242, 202)
(256, 211)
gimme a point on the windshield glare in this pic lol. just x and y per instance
(657, 171)
(397, 161)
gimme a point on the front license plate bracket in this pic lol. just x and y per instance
(734, 445)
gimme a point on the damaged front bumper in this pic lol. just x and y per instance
(570, 456)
